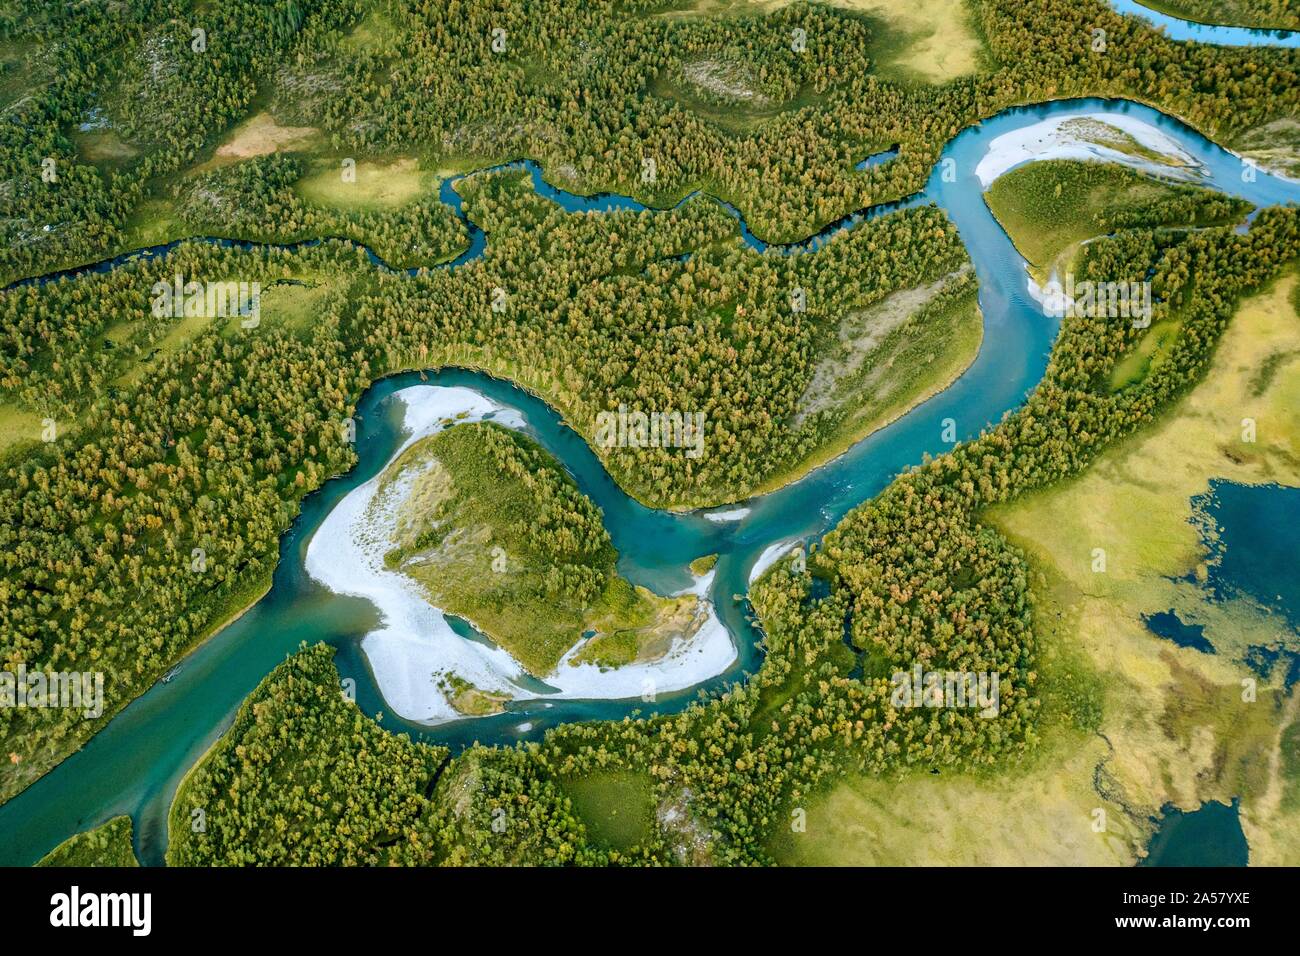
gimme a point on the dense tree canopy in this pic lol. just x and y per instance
(156, 458)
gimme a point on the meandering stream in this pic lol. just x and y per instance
(1179, 29)
(134, 764)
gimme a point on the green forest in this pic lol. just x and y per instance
(492, 529)
(107, 845)
(150, 464)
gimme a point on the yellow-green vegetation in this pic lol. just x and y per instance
(1280, 800)
(721, 8)
(1182, 733)
(744, 108)
(261, 135)
(1036, 810)
(377, 184)
(491, 807)
(293, 303)
(153, 223)
(103, 147)
(494, 530)
(617, 808)
(298, 302)
(703, 564)
(641, 628)
(374, 32)
(1152, 349)
(1090, 129)
(107, 845)
(219, 447)
(304, 776)
(730, 72)
(880, 361)
(1274, 145)
(1131, 721)
(1050, 208)
(468, 699)
(931, 40)
(394, 209)
(1039, 816)
(13, 78)
(18, 426)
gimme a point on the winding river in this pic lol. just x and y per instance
(134, 764)
(1178, 29)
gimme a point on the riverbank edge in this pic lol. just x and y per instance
(701, 189)
(1159, 6)
(260, 586)
(829, 452)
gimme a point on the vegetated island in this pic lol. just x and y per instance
(1051, 208)
(491, 528)
(472, 519)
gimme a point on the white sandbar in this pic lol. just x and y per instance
(1047, 140)
(415, 646)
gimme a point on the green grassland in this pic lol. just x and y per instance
(1152, 350)
(1132, 722)
(107, 845)
(153, 223)
(617, 807)
(104, 148)
(293, 303)
(299, 300)
(18, 426)
(375, 32)
(1050, 208)
(377, 185)
(926, 41)
(930, 41)
(494, 530)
